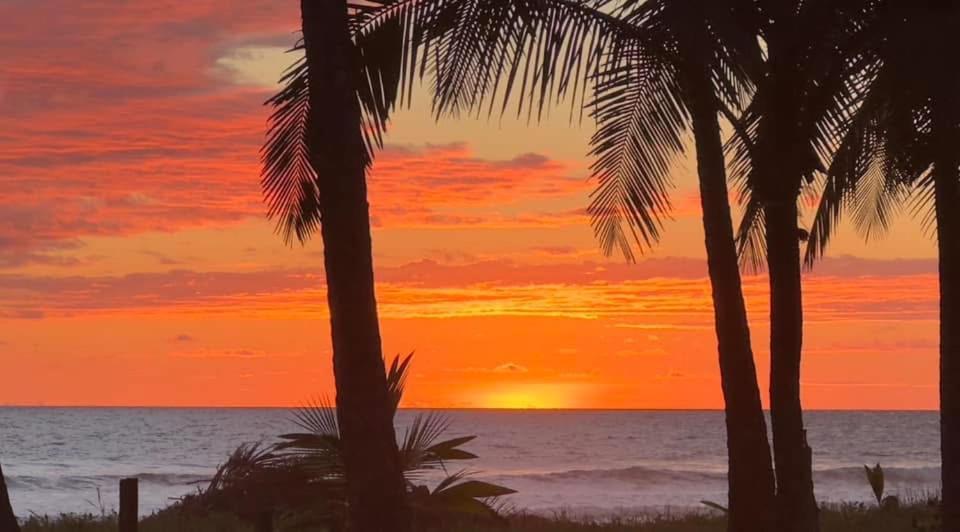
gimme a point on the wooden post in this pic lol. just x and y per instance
(129, 505)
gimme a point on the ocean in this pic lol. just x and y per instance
(592, 463)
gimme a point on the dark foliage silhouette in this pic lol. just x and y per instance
(303, 476)
(901, 147)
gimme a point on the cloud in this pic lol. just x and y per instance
(510, 367)
(161, 258)
(165, 135)
(235, 354)
(23, 314)
(255, 66)
(849, 266)
(672, 374)
(674, 293)
(556, 250)
(183, 338)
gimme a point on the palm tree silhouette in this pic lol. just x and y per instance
(902, 145)
(659, 72)
(8, 521)
(805, 90)
(314, 163)
(688, 68)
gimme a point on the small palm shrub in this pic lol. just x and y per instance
(301, 479)
(876, 479)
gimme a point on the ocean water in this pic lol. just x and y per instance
(597, 463)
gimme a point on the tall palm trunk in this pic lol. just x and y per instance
(946, 116)
(796, 505)
(750, 478)
(780, 159)
(8, 521)
(375, 485)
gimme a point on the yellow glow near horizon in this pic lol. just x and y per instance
(533, 396)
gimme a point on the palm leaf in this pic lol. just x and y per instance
(883, 160)
(831, 74)
(288, 176)
(640, 107)
(318, 417)
(397, 379)
(419, 437)
(641, 122)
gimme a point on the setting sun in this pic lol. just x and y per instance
(533, 397)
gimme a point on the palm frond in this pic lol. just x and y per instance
(422, 434)
(832, 73)
(922, 204)
(641, 124)
(461, 496)
(319, 449)
(397, 379)
(256, 478)
(379, 61)
(854, 163)
(531, 52)
(287, 176)
(245, 461)
(318, 416)
(883, 158)
(752, 237)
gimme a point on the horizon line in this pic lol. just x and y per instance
(443, 408)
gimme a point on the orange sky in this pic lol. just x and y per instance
(136, 265)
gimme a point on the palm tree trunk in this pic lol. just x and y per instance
(375, 485)
(948, 232)
(750, 478)
(779, 163)
(8, 521)
(796, 505)
(946, 170)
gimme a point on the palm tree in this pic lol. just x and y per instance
(678, 79)
(659, 72)
(905, 139)
(8, 521)
(805, 90)
(315, 160)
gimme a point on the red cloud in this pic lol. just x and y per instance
(125, 123)
(674, 287)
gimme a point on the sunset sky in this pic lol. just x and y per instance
(137, 266)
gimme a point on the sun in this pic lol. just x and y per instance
(532, 397)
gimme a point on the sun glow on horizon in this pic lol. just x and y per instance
(534, 396)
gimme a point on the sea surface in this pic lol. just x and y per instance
(597, 463)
